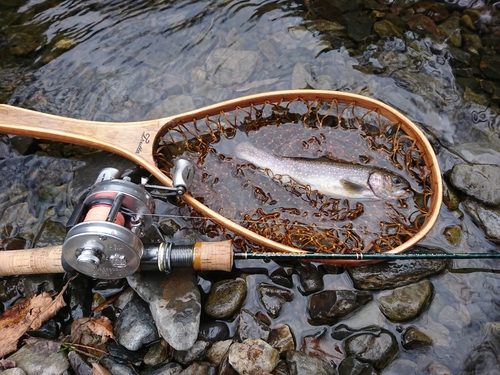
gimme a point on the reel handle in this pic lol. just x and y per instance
(202, 256)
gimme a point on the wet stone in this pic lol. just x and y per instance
(48, 330)
(453, 235)
(483, 358)
(156, 354)
(406, 302)
(490, 65)
(281, 277)
(386, 29)
(480, 181)
(376, 349)
(342, 331)
(396, 273)
(253, 356)
(116, 367)
(451, 30)
(225, 298)
(251, 327)
(135, 326)
(423, 25)
(273, 298)
(326, 350)
(170, 368)
(213, 331)
(311, 279)
(78, 364)
(195, 353)
(175, 304)
(487, 218)
(40, 356)
(281, 369)
(415, 339)
(15, 371)
(200, 368)
(281, 338)
(301, 363)
(329, 306)
(216, 353)
(351, 366)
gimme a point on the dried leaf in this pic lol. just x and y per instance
(97, 369)
(102, 326)
(29, 314)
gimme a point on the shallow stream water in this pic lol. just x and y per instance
(135, 60)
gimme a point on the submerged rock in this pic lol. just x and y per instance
(396, 273)
(301, 363)
(226, 66)
(486, 217)
(376, 349)
(273, 298)
(251, 327)
(481, 181)
(281, 338)
(174, 301)
(415, 339)
(406, 302)
(327, 350)
(311, 278)
(352, 366)
(329, 306)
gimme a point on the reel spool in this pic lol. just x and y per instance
(104, 232)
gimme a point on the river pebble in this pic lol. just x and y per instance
(415, 339)
(281, 338)
(225, 298)
(195, 353)
(377, 349)
(407, 302)
(253, 356)
(156, 354)
(175, 304)
(352, 366)
(301, 363)
(249, 326)
(218, 351)
(329, 306)
(311, 279)
(41, 356)
(135, 326)
(273, 298)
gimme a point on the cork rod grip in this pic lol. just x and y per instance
(31, 261)
(213, 256)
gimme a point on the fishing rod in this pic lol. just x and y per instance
(104, 237)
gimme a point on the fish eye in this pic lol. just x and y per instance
(396, 180)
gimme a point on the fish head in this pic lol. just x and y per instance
(386, 185)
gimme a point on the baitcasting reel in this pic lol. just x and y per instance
(104, 232)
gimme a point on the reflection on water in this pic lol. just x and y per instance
(132, 60)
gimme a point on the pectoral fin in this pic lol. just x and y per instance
(353, 188)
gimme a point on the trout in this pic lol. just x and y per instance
(337, 180)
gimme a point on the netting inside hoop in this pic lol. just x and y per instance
(288, 212)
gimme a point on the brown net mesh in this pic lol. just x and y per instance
(288, 212)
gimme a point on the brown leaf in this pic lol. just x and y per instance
(102, 326)
(97, 369)
(31, 313)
